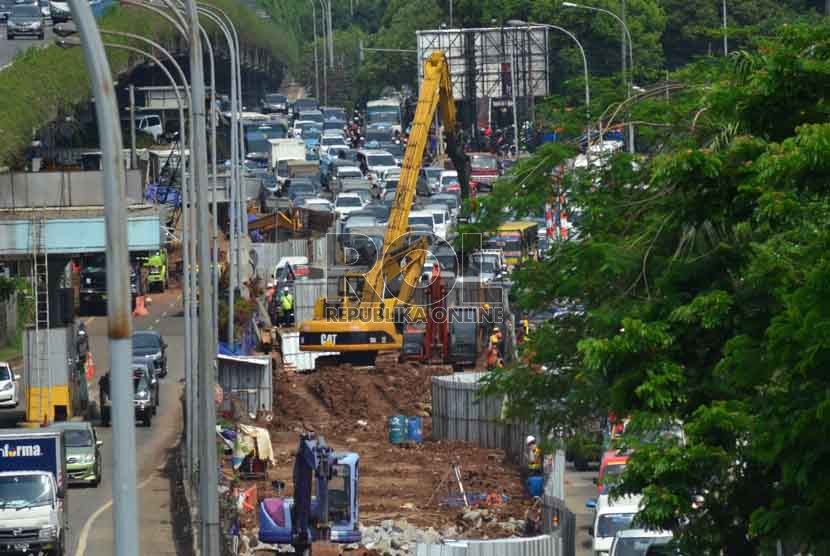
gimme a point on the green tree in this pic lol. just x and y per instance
(704, 273)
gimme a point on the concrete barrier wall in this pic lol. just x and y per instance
(61, 189)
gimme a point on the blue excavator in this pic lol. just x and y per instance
(327, 514)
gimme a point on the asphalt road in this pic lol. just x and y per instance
(10, 48)
(90, 512)
(579, 487)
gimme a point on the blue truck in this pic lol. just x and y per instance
(33, 516)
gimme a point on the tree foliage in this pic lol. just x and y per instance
(705, 276)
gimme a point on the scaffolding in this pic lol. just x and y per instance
(482, 62)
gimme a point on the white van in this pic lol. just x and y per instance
(612, 516)
(442, 219)
(151, 125)
(636, 542)
(422, 218)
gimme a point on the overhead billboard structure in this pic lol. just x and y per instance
(486, 63)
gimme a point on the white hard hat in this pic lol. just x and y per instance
(285, 289)
(530, 439)
(270, 284)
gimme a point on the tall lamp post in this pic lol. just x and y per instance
(520, 23)
(725, 39)
(631, 147)
(125, 506)
(316, 62)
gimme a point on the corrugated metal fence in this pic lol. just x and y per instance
(545, 545)
(558, 520)
(306, 293)
(269, 254)
(459, 413)
(246, 379)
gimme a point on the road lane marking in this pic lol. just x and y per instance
(82, 540)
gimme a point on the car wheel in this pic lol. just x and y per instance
(9, 37)
(41, 36)
(97, 480)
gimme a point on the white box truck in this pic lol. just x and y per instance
(33, 516)
(285, 149)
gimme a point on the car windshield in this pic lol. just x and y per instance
(390, 184)
(396, 150)
(5, 373)
(438, 217)
(433, 173)
(349, 174)
(140, 380)
(633, 546)
(332, 141)
(451, 202)
(388, 115)
(381, 160)
(421, 221)
(145, 341)
(349, 202)
(608, 525)
(77, 438)
(484, 162)
(446, 180)
(276, 99)
(25, 11)
(25, 491)
(312, 116)
(311, 132)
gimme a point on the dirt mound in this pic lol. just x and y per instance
(338, 397)
(350, 406)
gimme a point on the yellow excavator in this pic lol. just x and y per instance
(371, 320)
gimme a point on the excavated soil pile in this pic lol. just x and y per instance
(413, 482)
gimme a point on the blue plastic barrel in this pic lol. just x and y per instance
(414, 431)
(536, 485)
(397, 429)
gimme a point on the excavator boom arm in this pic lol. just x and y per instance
(435, 93)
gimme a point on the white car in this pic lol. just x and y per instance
(612, 516)
(422, 218)
(299, 125)
(315, 203)
(9, 395)
(636, 542)
(347, 203)
(449, 181)
(441, 215)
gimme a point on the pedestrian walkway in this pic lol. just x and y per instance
(579, 487)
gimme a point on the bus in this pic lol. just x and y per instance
(385, 112)
(518, 241)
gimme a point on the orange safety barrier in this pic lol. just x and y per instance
(140, 309)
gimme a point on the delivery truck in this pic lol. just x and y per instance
(33, 516)
(286, 149)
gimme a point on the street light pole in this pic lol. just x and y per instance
(208, 474)
(627, 35)
(517, 22)
(316, 62)
(725, 39)
(325, 65)
(119, 323)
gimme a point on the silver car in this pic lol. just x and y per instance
(25, 19)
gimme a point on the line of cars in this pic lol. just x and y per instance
(29, 18)
(614, 530)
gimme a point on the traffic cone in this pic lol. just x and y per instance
(140, 309)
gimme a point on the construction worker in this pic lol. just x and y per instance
(497, 340)
(287, 305)
(534, 456)
(492, 358)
